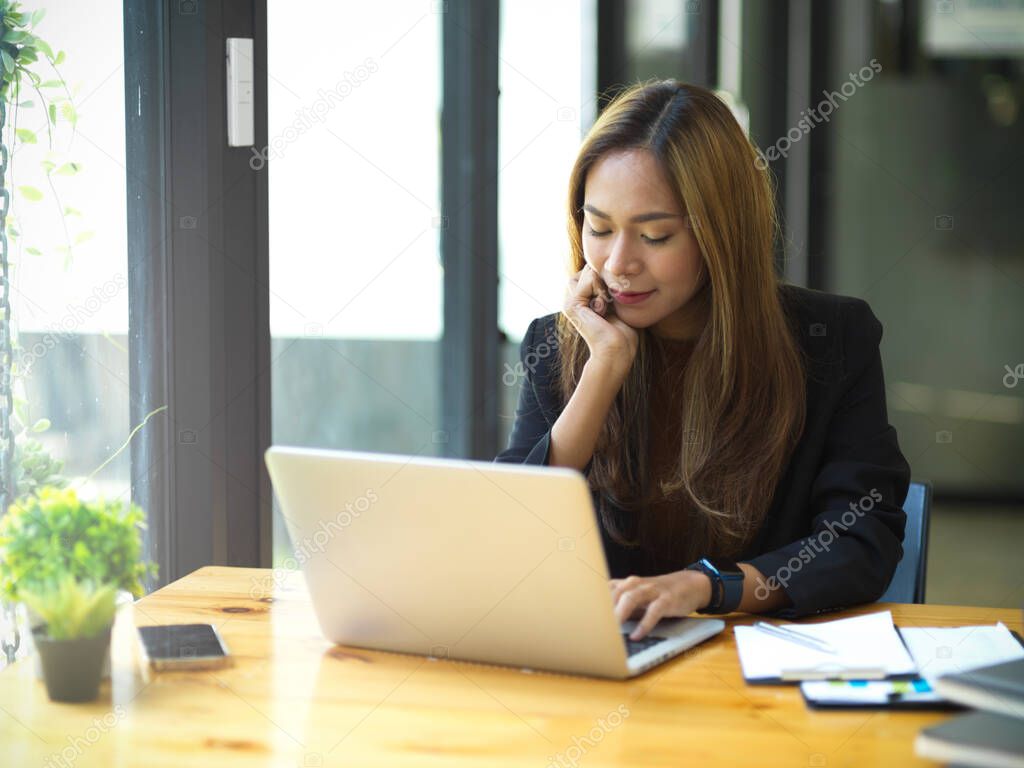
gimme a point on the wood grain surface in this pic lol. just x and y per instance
(292, 699)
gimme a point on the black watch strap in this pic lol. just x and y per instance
(726, 583)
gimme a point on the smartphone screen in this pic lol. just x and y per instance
(183, 646)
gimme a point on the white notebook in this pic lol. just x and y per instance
(868, 648)
(946, 650)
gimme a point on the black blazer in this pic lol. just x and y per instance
(847, 455)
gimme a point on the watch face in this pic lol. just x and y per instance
(725, 567)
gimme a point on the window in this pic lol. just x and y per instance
(68, 250)
(355, 274)
(546, 101)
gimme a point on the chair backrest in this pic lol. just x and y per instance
(907, 585)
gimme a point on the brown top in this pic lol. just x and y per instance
(664, 439)
(665, 427)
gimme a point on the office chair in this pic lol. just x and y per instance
(907, 585)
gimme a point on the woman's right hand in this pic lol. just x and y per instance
(608, 337)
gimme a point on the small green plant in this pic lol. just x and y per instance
(33, 467)
(71, 610)
(47, 537)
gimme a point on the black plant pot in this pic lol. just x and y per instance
(72, 668)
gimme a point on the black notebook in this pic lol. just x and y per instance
(978, 738)
(996, 688)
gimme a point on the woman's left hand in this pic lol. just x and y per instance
(675, 594)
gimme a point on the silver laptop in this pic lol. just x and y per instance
(486, 562)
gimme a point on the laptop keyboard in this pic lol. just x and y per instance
(635, 646)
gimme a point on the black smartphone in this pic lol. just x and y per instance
(183, 646)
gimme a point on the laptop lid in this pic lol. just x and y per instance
(474, 560)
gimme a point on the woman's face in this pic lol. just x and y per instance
(655, 255)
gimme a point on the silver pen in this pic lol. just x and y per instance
(795, 637)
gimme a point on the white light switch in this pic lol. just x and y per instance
(240, 92)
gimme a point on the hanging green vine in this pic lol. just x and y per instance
(24, 465)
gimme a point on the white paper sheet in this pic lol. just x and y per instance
(862, 642)
(944, 650)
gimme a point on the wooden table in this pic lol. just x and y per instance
(292, 699)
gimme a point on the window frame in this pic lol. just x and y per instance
(199, 340)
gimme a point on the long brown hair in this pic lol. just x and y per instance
(743, 388)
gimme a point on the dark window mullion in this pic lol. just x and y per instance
(198, 307)
(469, 233)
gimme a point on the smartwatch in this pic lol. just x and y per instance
(726, 583)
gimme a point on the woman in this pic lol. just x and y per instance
(732, 428)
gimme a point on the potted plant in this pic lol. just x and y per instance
(73, 639)
(33, 94)
(26, 83)
(66, 559)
